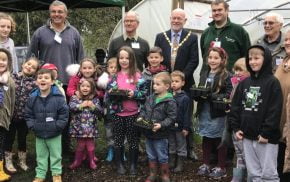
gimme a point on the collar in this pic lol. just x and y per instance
(125, 36)
(173, 33)
(277, 41)
(66, 24)
(212, 23)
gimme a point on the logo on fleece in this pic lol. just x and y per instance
(252, 99)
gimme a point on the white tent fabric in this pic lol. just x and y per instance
(155, 15)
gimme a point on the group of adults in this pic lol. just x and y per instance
(58, 42)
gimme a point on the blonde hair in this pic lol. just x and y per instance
(240, 65)
(112, 60)
(164, 77)
(179, 74)
(8, 17)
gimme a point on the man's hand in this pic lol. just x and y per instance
(239, 135)
(262, 140)
(184, 133)
(156, 127)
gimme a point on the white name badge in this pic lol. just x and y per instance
(49, 119)
(5, 88)
(279, 61)
(135, 45)
(57, 38)
(217, 44)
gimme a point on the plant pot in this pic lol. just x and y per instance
(142, 123)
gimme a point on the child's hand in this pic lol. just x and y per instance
(239, 135)
(262, 140)
(130, 93)
(90, 103)
(184, 133)
(156, 127)
(77, 93)
(84, 104)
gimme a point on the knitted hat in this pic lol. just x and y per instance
(49, 66)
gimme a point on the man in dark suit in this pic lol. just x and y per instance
(186, 57)
(180, 52)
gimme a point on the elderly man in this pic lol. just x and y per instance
(223, 33)
(131, 39)
(180, 52)
(273, 38)
(57, 42)
(179, 47)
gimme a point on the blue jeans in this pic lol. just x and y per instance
(157, 150)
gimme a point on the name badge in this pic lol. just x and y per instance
(135, 45)
(49, 119)
(57, 38)
(217, 44)
(5, 88)
(279, 61)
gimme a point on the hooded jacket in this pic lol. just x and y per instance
(257, 103)
(46, 116)
(163, 112)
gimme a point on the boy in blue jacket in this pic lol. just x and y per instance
(181, 126)
(47, 115)
(255, 115)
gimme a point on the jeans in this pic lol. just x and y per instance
(157, 150)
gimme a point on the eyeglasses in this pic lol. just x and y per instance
(129, 21)
(58, 12)
(269, 23)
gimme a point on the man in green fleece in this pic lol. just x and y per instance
(233, 38)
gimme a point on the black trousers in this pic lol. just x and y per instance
(3, 132)
(19, 127)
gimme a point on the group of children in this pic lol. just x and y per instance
(155, 95)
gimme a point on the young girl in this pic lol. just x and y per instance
(125, 111)
(212, 119)
(88, 69)
(24, 83)
(7, 100)
(7, 26)
(241, 72)
(84, 108)
(102, 83)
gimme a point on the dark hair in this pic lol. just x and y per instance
(44, 71)
(217, 2)
(8, 54)
(34, 59)
(92, 94)
(223, 66)
(132, 61)
(155, 50)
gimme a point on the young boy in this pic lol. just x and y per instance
(160, 108)
(58, 83)
(155, 58)
(179, 131)
(46, 115)
(255, 115)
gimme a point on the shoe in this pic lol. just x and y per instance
(239, 174)
(110, 154)
(22, 161)
(38, 180)
(153, 172)
(172, 160)
(165, 172)
(92, 164)
(179, 164)
(203, 170)
(77, 161)
(133, 158)
(217, 173)
(56, 178)
(3, 175)
(119, 154)
(8, 163)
